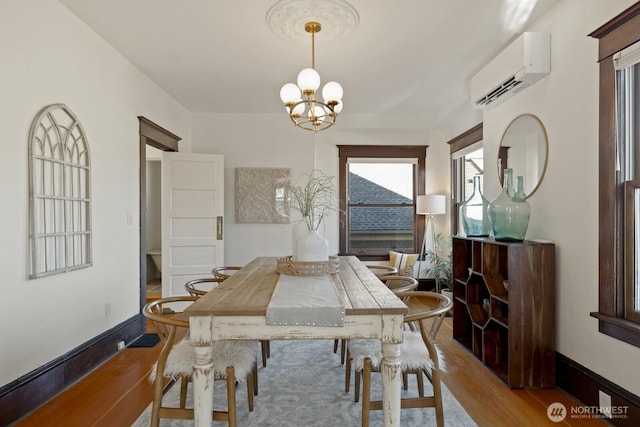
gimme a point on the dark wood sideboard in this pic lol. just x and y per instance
(504, 307)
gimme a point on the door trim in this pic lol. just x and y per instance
(160, 138)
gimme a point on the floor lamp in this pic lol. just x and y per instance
(429, 205)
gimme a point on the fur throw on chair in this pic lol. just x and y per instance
(241, 355)
(413, 353)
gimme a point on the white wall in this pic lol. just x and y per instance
(565, 206)
(49, 56)
(253, 141)
(273, 141)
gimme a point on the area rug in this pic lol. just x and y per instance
(303, 386)
(145, 341)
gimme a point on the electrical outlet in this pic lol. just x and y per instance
(604, 401)
(120, 345)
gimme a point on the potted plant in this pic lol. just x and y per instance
(313, 196)
(441, 266)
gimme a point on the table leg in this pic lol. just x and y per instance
(391, 375)
(202, 380)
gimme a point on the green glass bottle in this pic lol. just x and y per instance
(509, 215)
(473, 212)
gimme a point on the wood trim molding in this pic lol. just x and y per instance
(157, 136)
(20, 397)
(611, 39)
(584, 384)
(466, 138)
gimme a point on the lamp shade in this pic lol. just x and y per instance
(431, 204)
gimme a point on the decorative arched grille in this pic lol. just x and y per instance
(60, 202)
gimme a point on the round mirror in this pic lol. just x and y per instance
(524, 148)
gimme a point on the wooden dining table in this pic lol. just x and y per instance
(237, 310)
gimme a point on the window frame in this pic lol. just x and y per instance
(615, 35)
(460, 142)
(378, 152)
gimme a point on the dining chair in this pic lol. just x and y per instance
(399, 283)
(231, 360)
(396, 284)
(418, 354)
(225, 271)
(199, 287)
(382, 270)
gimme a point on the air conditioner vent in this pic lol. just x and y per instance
(510, 84)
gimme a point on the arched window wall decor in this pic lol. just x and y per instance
(60, 202)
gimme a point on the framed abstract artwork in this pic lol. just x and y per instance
(260, 195)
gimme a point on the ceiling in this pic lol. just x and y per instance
(404, 57)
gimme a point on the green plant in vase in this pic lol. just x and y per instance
(313, 196)
(441, 262)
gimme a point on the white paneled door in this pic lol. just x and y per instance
(192, 213)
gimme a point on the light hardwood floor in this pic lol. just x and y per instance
(118, 391)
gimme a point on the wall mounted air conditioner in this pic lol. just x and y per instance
(525, 61)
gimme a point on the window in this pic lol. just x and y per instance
(378, 188)
(59, 204)
(467, 160)
(619, 147)
(467, 164)
(627, 65)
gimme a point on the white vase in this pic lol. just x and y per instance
(298, 231)
(312, 247)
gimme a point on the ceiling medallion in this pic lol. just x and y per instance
(287, 18)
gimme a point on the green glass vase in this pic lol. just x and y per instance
(509, 212)
(473, 212)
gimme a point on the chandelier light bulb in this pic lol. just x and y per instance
(290, 93)
(332, 91)
(338, 108)
(298, 110)
(308, 80)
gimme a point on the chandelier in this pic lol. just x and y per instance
(305, 110)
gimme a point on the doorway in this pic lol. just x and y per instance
(153, 219)
(152, 138)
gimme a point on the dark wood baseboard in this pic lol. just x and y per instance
(584, 385)
(25, 394)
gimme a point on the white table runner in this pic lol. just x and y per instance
(305, 300)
